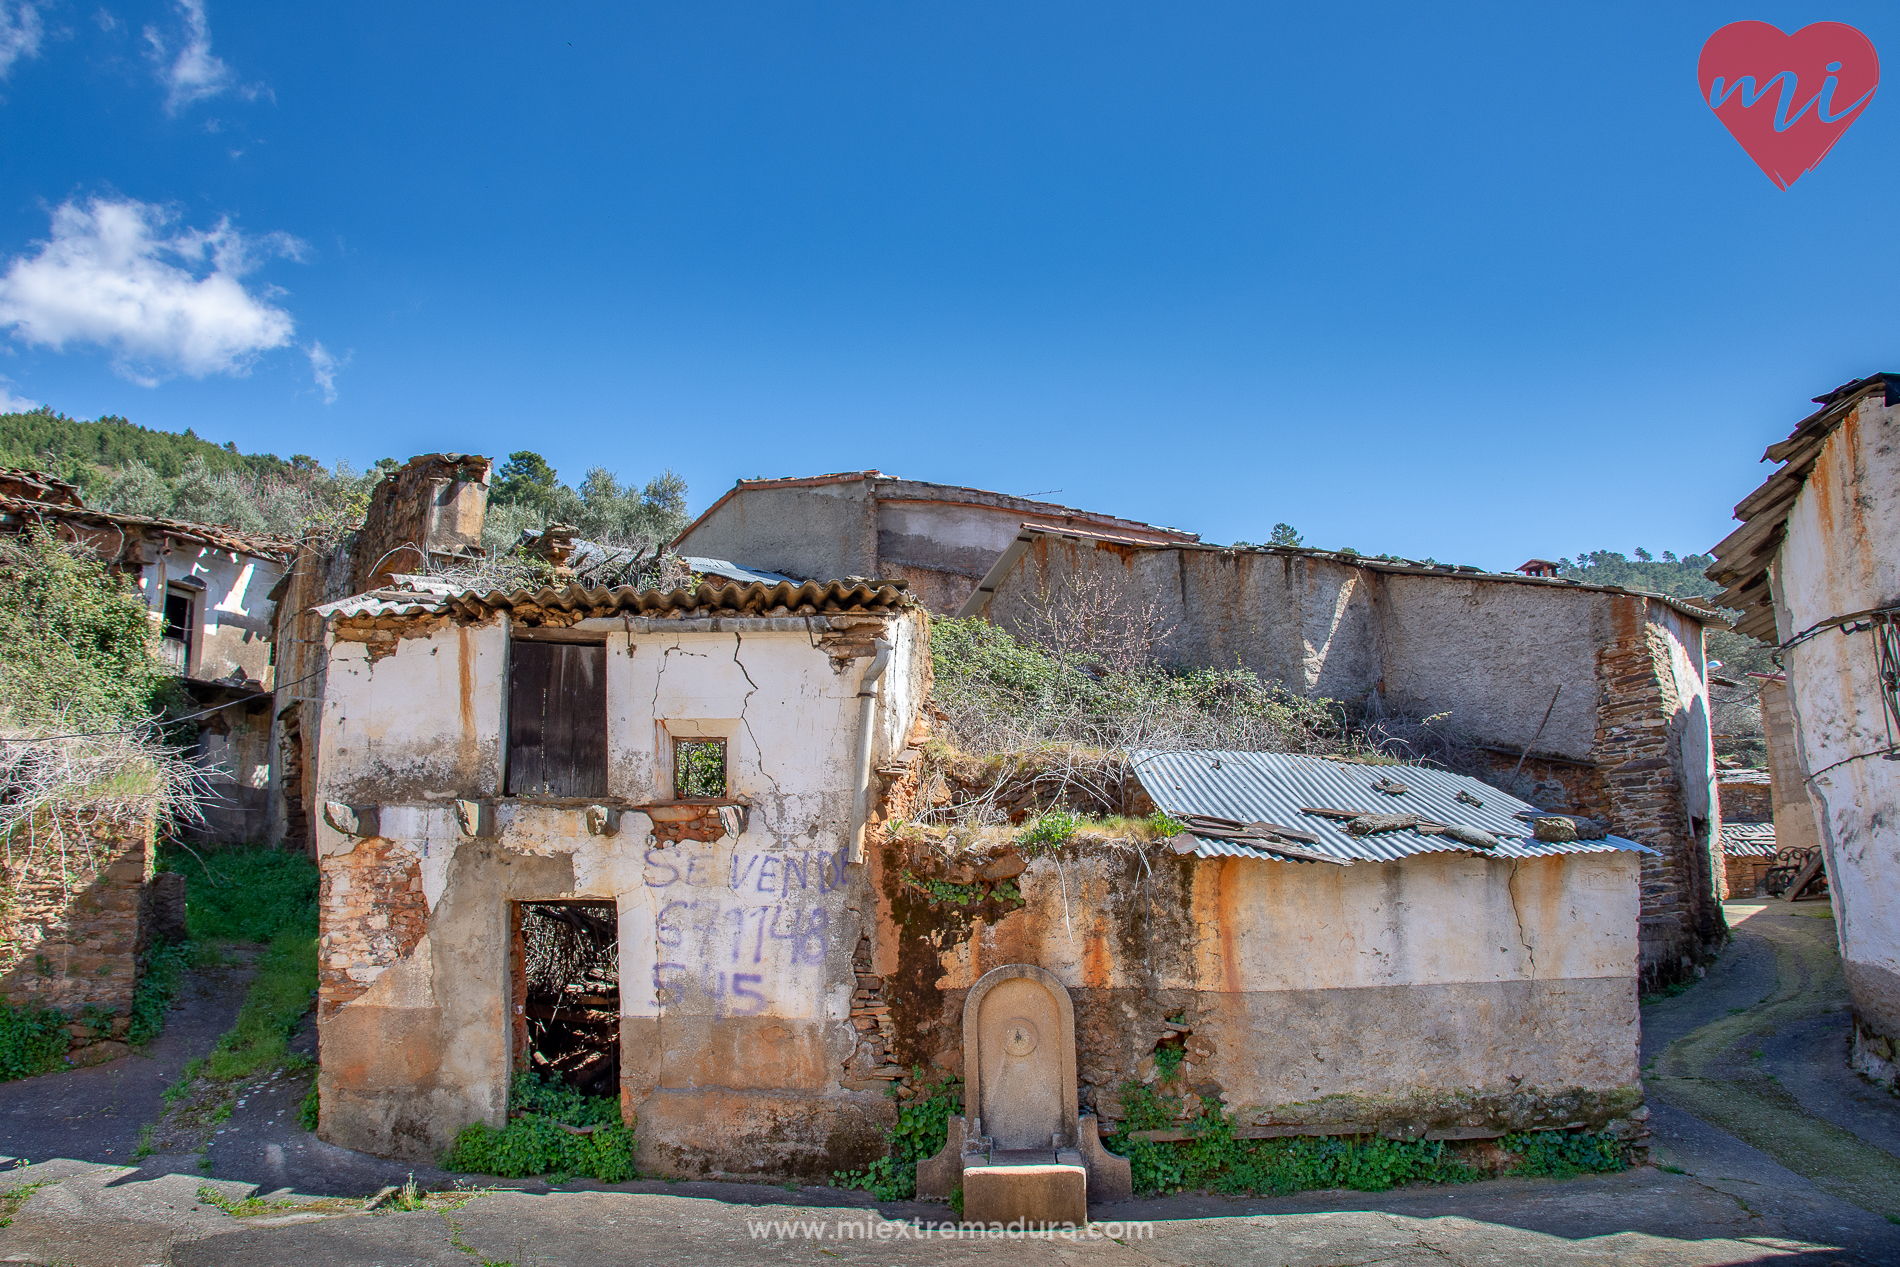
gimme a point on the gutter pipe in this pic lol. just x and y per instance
(867, 719)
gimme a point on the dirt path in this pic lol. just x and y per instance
(1749, 1077)
(96, 1114)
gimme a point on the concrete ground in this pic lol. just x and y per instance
(1766, 1147)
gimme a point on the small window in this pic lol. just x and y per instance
(557, 719)
(699, 769)
(178, 616)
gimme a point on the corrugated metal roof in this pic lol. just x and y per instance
(1748, 840)
(1275, 786)
(784, 599)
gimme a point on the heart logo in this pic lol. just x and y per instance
(1787, 98)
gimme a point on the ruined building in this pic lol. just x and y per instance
(939, 538)
(1599, 693)
(208, 590)
(1815, 568)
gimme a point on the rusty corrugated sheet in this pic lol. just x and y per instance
(1275, 786)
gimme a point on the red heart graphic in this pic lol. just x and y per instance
(1787, 98)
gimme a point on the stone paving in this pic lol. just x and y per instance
(1785, 1156)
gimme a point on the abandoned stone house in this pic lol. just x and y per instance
(939, 538)
(1599, 692)
(1815, 568)
(653, 842)
(208, 590)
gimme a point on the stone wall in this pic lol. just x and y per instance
(75, 920)
(1442, 996)
(1747, 796)
(1643, 781)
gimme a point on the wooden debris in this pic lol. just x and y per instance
(1469, 799)
(1374, 824)
(1391, 787)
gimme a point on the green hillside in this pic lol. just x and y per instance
(80, 451)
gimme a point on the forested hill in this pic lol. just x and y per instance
(69, 447)
(1678, 578)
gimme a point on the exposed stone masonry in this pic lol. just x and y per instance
(74, 922)
(374, 913)
(1645, 801)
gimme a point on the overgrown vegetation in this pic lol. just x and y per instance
(527, 493)
(535, 1143)
(1213, 1159)
(923, 1125)
(33, 1040)
(162, 969)
(1037, 729)
(245, 894)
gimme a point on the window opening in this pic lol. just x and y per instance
(175, 637)
(699, 769)
(567, 982)
(557, 719)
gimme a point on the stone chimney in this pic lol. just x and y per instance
(429, 510)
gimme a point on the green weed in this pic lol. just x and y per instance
(248, 894)
(307, 1113)
(145, 1148)
(1559, 1154)
(1049, 829)
(281, 993)
(13, 1198)
(923, 1125)
(249, 1207)
(158, 984)
(1212, 1158)
(536, 1145)
(33, 1040)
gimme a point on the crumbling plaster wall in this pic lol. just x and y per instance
(822, 531)
(1630, 721)
(1841, 555)
(1795, 826)
(1492, 653)
(234, 606)
(736, 955)
(1443, 991)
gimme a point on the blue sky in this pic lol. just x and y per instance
(1473, 285)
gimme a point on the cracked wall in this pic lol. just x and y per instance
(736, 952)
(1443, 992)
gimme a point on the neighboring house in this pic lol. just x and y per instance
(1600, 690)
(208, 590)
(1815, 568)
(1748, 830)
(940, 538)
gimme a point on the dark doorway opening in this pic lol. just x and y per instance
(567, 993)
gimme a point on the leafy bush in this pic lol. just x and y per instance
(923, 1126)
(32, 1040)
(76, 641)
(537, 1145)
(308, 1111)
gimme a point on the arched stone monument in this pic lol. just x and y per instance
(1022, 1151)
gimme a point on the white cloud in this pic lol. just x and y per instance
(323, 368)
(193, 73)
(110, 276)
(20, 33)
(11, 404)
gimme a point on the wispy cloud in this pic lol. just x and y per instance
(20, 32)
(11, 404)
(187, 67)
(111, 276)
(323, 369)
